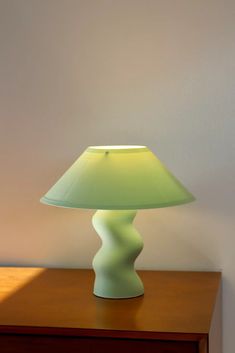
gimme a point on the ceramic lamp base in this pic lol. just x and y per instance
(114, 262)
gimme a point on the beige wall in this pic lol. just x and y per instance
(161, 73)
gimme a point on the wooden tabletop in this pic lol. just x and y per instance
(174, 301)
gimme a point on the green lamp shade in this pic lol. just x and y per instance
(117, 178)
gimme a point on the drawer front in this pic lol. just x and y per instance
(43, 344)
(107, 345)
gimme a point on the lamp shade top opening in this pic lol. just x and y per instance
(117, 178)
(119, 149)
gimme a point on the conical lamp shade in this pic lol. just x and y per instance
(117, 178)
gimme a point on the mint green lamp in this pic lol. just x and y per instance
(117, 181)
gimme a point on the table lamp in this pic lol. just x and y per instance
(117, 181)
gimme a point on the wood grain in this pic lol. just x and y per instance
(180, 302)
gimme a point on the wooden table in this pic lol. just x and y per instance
(54, 310)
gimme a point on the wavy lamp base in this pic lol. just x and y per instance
(114, 262)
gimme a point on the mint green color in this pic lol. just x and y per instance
(110, 178)
(117, 181)
(114, 262)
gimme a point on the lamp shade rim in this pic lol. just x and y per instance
(117, 149)
(66, 204)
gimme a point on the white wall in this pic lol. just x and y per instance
(161, 73)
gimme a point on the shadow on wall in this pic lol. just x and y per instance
(175, 239)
